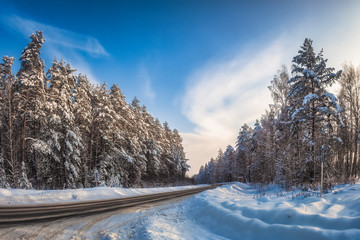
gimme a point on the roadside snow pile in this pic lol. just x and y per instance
(21, 196)
(233, 212)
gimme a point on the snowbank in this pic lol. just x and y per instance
(237, 212)
(20, 196)
(234, 211)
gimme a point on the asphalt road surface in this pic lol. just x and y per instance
(19, 214)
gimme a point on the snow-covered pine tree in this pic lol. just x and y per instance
(263, 149)
(211, 171)
(120, 135)
(82, 115)
(103, 123)
(23, 178)
(179, 155)
(200, 178)
(56, 130)
(269, 121)
(230, 164)
(219, 166)
(63, 134)
(243, 156)
(136, 143)
(167, 165)
(314, 112)
(3, 176)
(156, 170)
(7, 151)
(29, 101)
(256, 153)
(285, 143)
(120, 107)
(152, 148)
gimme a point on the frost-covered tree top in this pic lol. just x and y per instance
(6, 65)
(311, 77)
(135, 103)
(279, 90)
(32, 71)
(244, 137)
(307, 66)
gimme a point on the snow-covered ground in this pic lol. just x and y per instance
(237, 211)
(21, 196)
(234, 211)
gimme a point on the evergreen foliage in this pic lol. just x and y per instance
(305, 124)
(59, 131)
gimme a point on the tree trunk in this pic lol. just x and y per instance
(24, 128)
(312, 176)
(11, 144)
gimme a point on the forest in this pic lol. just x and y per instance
(58, 131)
(305, 125)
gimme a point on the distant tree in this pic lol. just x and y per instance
(230, 164)
(279, 89)
(349, 96)
(178, 155)
(243, 148)
(136, 103)
(263, 150)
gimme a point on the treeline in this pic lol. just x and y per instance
(305, 124)
(58, 131)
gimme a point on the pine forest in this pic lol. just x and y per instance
(58, 131)
(305, 125)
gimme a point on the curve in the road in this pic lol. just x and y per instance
(21, 213)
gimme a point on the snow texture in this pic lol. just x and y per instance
(308, 73)
(237, 211)
(233, 211)
(21, 196)
(333, 100)
(309, 97)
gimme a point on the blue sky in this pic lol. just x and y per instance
(203, 66)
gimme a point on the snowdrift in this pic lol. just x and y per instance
(21, 196)
(236, 211)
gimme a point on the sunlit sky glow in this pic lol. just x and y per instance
(203, 66)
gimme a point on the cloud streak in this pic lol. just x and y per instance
(55, 35)
(218, 99)
(60, 43)
(223, 95)
(145, 82)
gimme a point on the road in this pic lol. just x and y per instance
(125, 217)
(21, 213)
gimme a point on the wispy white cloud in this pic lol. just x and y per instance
(218, 99)
(145, 82)
(225, 94)
(55, 35)
(60, 43)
